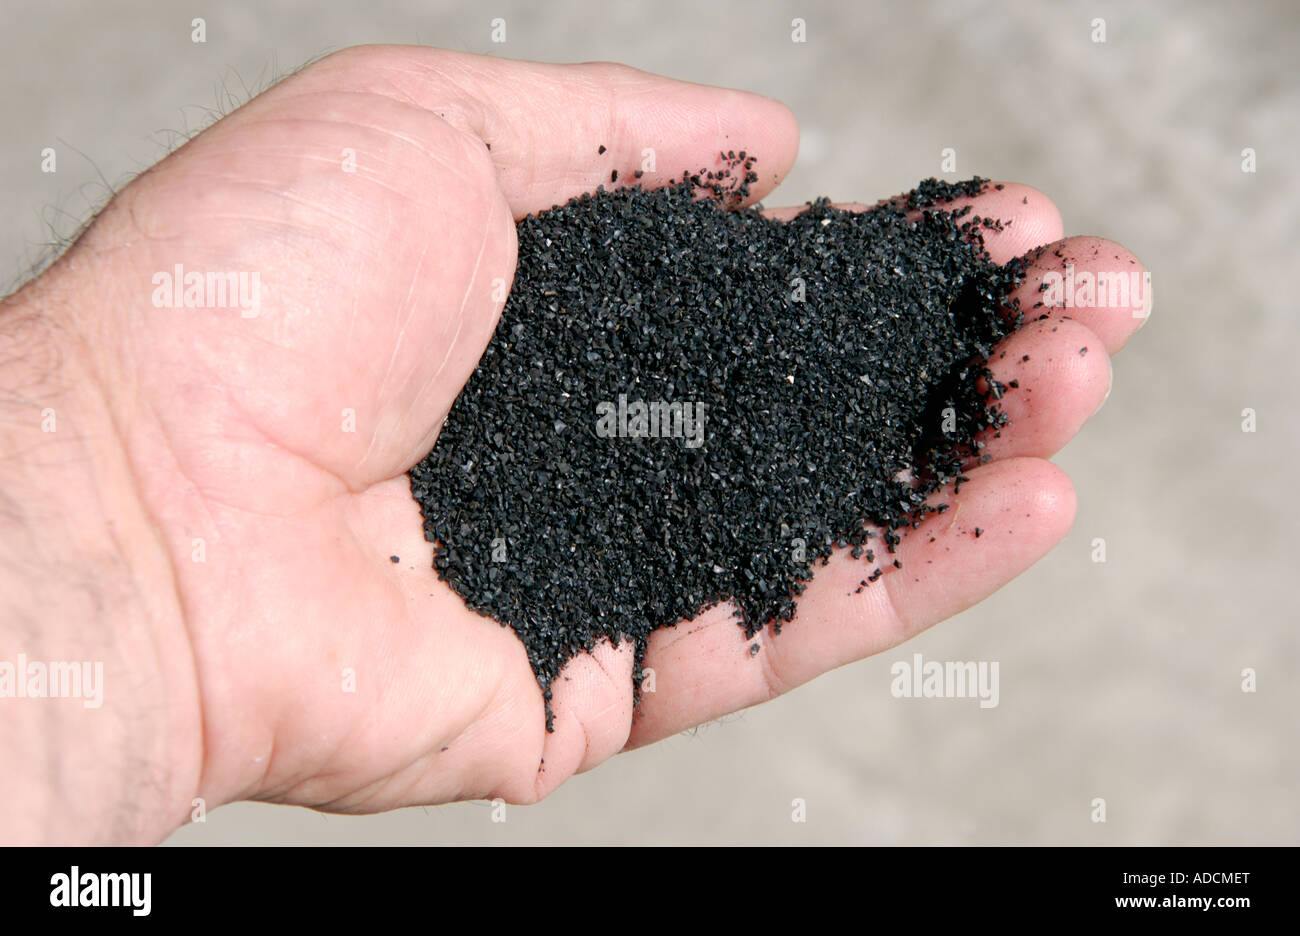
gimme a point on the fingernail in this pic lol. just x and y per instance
(1110, 385)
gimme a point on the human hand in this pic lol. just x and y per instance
(251, 462)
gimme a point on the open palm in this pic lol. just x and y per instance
(374, 195)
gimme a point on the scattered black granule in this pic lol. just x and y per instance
(613, 176)
(1083, 351)
(601, 150)
(394, 559)
(835, 358)
(978, 532)
(932, 191)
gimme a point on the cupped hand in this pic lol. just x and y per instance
(372, 197)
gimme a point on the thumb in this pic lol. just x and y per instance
(555, 131)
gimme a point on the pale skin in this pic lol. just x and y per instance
(225, 678)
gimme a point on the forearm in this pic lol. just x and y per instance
(99, 728)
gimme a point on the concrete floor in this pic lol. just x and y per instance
(1118, 680)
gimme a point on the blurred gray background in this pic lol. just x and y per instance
(1120, 679)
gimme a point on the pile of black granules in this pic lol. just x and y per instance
(684, 405)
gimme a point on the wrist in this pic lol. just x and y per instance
(100, 730)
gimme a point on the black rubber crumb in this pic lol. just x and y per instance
(394, 559)
(1083, 351)
(835, 358)
(600, 150)
(932, 191)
